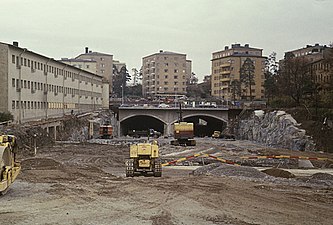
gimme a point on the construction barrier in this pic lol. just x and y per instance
(222, 160)
(285, 157)
(182, 159)
(197, 155)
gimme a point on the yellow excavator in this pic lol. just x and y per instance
(9, 167)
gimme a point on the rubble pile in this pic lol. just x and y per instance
(275, 129)
(217, 169)
(320, 178)
(29, 137)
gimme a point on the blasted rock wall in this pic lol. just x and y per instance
(276, 129)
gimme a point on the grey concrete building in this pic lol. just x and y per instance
(33, 86)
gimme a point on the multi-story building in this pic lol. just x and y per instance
(226, 66)
(165, 74)
(104, 64)
(89, 65)
(320, 61)
(33, 86)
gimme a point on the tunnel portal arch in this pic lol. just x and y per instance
(205, 125)
(141, 123)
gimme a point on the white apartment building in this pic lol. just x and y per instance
(33, 86)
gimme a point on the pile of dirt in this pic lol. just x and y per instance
(28, 137)
(320, 178)
(217, 169)
(40, 164)
(275, 172)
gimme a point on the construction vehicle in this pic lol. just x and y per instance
(144, 158)
(183, 134)
(183, 131)
(144, 133)
(106, 131)
(225, 135)
(9, 167)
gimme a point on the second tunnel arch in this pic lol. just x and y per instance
(205, 125)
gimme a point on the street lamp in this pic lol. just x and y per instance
(122, 94)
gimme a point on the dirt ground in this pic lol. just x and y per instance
(86, 184)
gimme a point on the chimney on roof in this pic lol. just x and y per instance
(161, 51)
(87, 50)
(226, 47)
(15, 43)
(246, 45)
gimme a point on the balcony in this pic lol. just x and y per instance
(226, 72)
(225, 64)
(225, 79)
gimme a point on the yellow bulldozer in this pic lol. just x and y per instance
(9, 167)
(144, 159)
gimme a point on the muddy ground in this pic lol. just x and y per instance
(86, 184)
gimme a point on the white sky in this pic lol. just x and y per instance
(132, 29)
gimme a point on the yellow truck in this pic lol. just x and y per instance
(144, 158)
(9, 167)
(183, 134)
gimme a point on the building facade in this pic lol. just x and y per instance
(104, 64)
(35, 87)
(226, 66)
(165, 74)
(320, 61)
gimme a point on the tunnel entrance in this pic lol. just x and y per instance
(141, 123)
(205, 125)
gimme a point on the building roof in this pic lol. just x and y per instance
(161, 52)
(50, 59)
(76, 60)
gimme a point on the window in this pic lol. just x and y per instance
(166, 70)
(13, 82)
(13, 104)
(13, 61)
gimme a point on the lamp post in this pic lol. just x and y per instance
(122, 94)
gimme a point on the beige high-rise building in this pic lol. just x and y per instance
(104, 64)
(165, 74)
(226, 65)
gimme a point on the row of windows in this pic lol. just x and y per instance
(165, 83)
(42, 105)
(49, 88)
(35, 65)
(165, 89)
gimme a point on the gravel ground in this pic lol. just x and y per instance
(86, 184)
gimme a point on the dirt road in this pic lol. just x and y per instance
(85, 184)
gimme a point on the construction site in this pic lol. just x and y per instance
(69, 176)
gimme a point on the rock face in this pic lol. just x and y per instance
(276, 129)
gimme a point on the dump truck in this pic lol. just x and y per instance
(9, 167)
(183, 134)
(144, 159)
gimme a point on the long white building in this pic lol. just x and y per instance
(33, 86)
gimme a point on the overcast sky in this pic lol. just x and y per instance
(132, 29)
